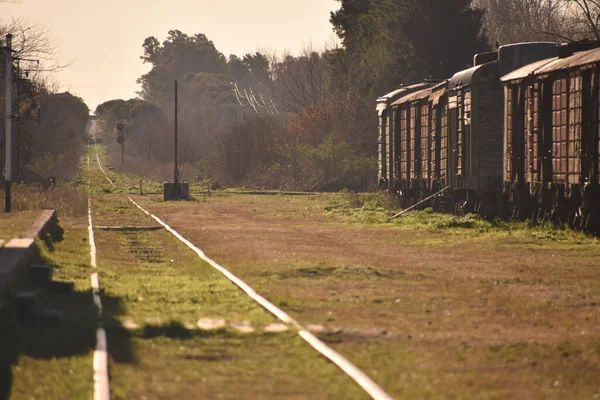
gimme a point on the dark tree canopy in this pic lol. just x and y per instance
(446, 35)
(252, 68)
(388, 42)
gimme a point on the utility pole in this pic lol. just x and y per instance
(17, 136)
(176, 172)
(121, 140)
(176, 190)
(8, 167)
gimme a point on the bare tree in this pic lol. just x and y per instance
(585, 15)
(512, 21)
(35, 41)
(302, 81)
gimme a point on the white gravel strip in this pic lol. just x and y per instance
(100, 165)
(101, 381)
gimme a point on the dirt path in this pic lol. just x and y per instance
(427, 314)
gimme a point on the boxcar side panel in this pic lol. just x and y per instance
(469, 155)
(575, 128)
(535, 153)
(425, 144)
(390, 143)
(381, 159)
(415, 141)
(508, 129)
(489, 147)
(547, 119)
(559, 131)
(596, 173)
(404, 149)
(460, 139)
(452, 134)
(434, 134)
(444, 147)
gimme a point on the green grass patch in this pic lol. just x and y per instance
(53, 357)
(228, 366)
(366, 209)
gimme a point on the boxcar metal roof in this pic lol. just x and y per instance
(576, 60)
(555, 64)
(437, 92)
(466, 77)
(395, 93)
(421, 94)
(527, 70)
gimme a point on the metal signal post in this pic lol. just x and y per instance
(8, 167)
(176, 172)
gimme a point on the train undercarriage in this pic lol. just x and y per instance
(576, 207)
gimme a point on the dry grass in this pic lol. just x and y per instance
(430, 307)
(12, 225)
(67, 199)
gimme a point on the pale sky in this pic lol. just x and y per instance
(104, 38)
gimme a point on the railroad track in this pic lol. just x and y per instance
(101, 369)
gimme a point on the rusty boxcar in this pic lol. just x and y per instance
(450, 136)
(552, 144)
(411, 135)
(386, 156)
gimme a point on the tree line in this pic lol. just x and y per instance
(48, 126)
(306, 121)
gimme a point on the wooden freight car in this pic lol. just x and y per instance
(412, 143)
(438, 152)
(552, 144)
(386, 157)
(475, 126)
(449, 137)
(420, 138)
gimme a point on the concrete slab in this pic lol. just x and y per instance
(189, 326)
(39, 225)
(243, 327)
(13, 259)
(130, 325)
(154, 320)
(276, 328)
(208, 324)
(172, 191)
(315, 328)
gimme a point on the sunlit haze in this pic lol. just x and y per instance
(104, 38)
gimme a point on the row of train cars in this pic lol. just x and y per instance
(515, 136)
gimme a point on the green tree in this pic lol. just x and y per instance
(178, 55)
(53, 145)
(145, 128)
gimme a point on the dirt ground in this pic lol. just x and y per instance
(426, 314)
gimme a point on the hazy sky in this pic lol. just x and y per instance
(104, 38)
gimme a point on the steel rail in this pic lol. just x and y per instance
(100, 363)
(364, 381)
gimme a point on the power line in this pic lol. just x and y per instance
(109, 86)
(253, 101)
